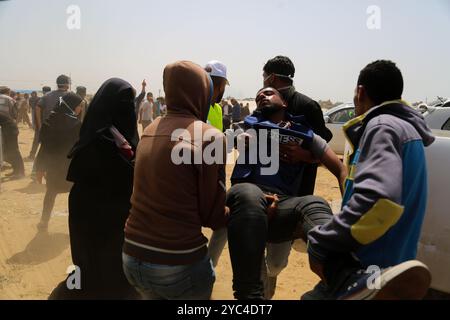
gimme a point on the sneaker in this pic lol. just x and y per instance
(407, 281)
(320, 292)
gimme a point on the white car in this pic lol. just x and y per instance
(437, 118)
(439, 102)
(335, 118)
(434, 245)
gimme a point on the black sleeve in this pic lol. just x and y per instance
(314, 116)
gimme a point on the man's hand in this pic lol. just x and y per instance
(144, 84)
(271, 210)
(317, 268)
(293, 153)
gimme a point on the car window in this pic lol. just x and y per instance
(446, 126)
(342, 116)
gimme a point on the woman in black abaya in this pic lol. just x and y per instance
(99, 202)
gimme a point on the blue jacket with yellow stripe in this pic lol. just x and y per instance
(386, 192)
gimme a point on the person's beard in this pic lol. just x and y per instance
(267, 111)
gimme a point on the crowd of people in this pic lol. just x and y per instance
(136, 216)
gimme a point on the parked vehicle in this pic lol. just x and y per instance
(434, 246)
(437, 118)
(335, 118)
(439, 102)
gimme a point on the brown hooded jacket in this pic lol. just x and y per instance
(172, 202)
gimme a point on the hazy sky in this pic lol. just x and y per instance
(328, 40)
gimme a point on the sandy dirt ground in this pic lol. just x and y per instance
(32, 263)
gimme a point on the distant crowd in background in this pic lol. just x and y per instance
(147, 109)
(31, 109)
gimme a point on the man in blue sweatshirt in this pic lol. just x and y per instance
(384, 202)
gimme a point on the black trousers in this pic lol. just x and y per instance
(249, 230)
(11, 150)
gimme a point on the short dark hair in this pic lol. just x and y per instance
(280, 65)
(150, 94)
(81, 89)
(46, 89)
(382, 80)
(62, 80)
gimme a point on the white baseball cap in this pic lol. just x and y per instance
(217, 69)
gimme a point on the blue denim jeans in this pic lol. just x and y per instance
(161, 282)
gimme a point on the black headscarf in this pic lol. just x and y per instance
(112, 105)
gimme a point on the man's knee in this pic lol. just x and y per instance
(245, 194)
(314, 211)
(314, 205)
